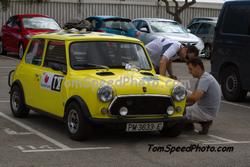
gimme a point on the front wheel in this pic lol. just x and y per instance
(230, 84)
(171, 129)
(207, 51)
(17, 103)
(77, 125)
(2, 50)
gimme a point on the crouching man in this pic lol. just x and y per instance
(204, 102)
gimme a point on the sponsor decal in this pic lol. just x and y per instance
(51, 81)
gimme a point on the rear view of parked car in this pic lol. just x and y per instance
(114, 25)
(19, 28)
(153, 28)
(231, 54)
(205, 31)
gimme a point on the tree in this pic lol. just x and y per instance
(6, 3)
(177, 8)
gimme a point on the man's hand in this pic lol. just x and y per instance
(194, 97)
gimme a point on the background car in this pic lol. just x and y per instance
(197, 19)
(154, 27)
(19, 28)
(113, 24)
(204, 30)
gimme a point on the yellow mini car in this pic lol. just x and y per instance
(95, 78)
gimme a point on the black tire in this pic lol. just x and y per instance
(2, 51)
(20, 51)
(77, 125)
(207, 51)
(231, 85)
(171, 129)
(17, 102)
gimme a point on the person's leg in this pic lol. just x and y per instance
(195, 114)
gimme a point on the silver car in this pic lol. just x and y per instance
(204, 30)
(155, 27)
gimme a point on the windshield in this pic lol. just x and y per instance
(118, 24)
(40, 23)
(167, 27)
(87, 55)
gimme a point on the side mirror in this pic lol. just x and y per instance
(144, 29)
(58, 67)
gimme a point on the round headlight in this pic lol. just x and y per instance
(179, 93)
(105, 93)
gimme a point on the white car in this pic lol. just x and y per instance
(155, 27)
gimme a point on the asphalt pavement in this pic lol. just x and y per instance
(42, 141)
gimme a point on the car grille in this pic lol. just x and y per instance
(141, 105)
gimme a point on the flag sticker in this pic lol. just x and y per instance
(51, 81)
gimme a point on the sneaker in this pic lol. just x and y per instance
(205, 127)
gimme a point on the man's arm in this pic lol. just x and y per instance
(194, 97)
(166, 65)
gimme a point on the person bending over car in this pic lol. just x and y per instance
(203, 103)
(163, 51)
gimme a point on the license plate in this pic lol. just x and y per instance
(141, 127)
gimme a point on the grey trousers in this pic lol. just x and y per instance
(195, 114)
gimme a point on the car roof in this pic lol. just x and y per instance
(205, 21)
(85, 36)
(155, 19)
(31, 15)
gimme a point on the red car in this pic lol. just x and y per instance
(19, 28)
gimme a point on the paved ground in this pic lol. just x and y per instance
(42, 141)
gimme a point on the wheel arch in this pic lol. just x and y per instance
(225, 66)
(19, 84)
(82, 104)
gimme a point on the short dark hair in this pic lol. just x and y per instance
(193, 49)
(196, 62)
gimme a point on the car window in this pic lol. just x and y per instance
(193, 28)
(40, 23)
(12, 22)
(143, 24)
(118, 24)
(237, 20)
(136, 22)
(167, 27)
(35, 52)
(55, 54)
(111, 54)
(204, 28)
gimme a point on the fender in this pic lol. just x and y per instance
(82, 104)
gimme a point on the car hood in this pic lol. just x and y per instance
(128, 82)
(181, 37)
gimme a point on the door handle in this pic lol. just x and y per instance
(37, 75)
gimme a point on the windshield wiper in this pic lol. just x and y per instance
(91, 65)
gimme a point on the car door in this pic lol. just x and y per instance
(51, 78)
(29, 72)
(12, 37)
(193, 28)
